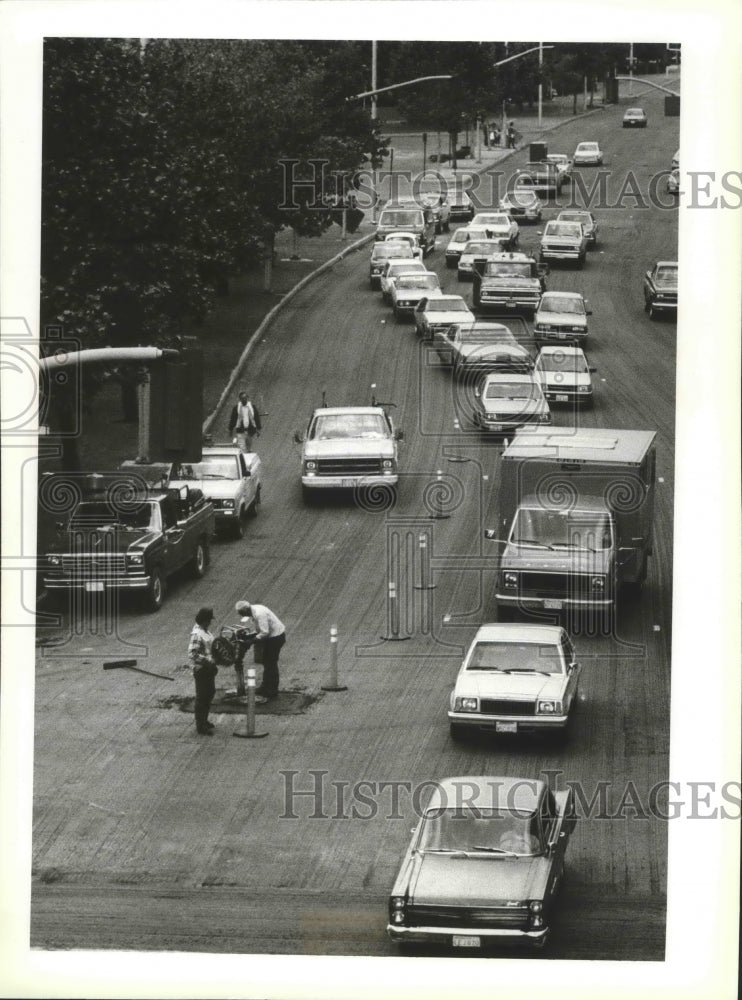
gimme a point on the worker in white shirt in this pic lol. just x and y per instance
(270, 632)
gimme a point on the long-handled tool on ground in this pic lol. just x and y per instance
(132, 665)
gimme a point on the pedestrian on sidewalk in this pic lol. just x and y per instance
(270, 632)
(511, 135)
(244, 422)
(204, 669)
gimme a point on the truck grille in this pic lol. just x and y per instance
(498, 706)
(349, 467)
(429, 915)
(558, 585)
(91, 566)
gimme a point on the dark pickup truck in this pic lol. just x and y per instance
(130, 539)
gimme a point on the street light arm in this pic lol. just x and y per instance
(649, 83)
(107, 354)
(518, 55)
(395, 86)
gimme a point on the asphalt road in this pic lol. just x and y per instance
(147, 838)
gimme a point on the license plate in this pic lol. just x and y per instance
(553, 605)
(560, 335)
(560, 256)
(562, 397)
(347, 484)
(94, 585)
(510, 305)
(494, 427)
(466, 941)
(506, 727)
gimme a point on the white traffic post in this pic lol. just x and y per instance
(333, 684)
(425, 583)
(393, 615)
(250, 733)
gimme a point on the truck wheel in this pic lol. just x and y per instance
(307, 495)
(651, 311)
(252, 510)
(458, 732)
(155, 590)
(200, 558)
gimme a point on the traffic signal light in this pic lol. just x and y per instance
(174, 422)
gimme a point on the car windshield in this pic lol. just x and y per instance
(384, 251)
(588, 147)
(127, 514)
(482, 246)
(405, 267)
(511, 390)
(667, 275)
(557, 158)
(479, 831)
(211, 467)
(401, 219)
(417, 281)
(328, 426)
(575, 529)
(582, 217)
(516, 656)
(488, 219)
(562, 362)
(572, 229)
(447, 305)
(557, 304)
(509, 270)
(485, 335)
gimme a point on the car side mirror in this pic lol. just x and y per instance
(298, 437)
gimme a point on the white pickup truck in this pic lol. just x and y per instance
(230, 478)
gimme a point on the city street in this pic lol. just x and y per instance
(143, 834)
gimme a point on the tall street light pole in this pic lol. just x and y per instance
(540, 85)
(373, 81)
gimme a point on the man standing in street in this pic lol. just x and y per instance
(244, 422)
(271, 634)
(204, 669)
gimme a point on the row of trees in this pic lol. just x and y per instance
(162, 175)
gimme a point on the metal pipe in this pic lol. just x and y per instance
(107, 354)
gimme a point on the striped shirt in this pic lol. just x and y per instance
(199, 647)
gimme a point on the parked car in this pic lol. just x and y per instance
(499, 225)
(661, 288)
(506, 400)
(474, 255)
(634, 118)
(392, 269)
(587, 219)
(586, 153)
(409, 218)
(564, 374)
(563, 164)
(522, 204)
(563, 241)
(388, 250)
(411, 239)
(457, 243)
(348, 447)
(435, 314)
(484, 864)
(561, 316)
(408, 289)
(229, 478)
(471, 347)
(460, 204)
(515, 679)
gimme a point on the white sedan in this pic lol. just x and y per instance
(515, 679)
(499, 225)
(435, 314)
(587, 153)
(561, 316)
(564, 374)
(393, 268)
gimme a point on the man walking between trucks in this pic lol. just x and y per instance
(244, 422)
(270, 634)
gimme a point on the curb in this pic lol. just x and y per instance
(269, 317)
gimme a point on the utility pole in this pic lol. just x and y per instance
(373, 81)
(631, 69)
(540, 85)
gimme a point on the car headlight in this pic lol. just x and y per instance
(536, 913)
(55, 560)
(397, 909)
(466, 705)
(228, 503)
(578, 329)
(597, 584)
(545, 417)
(510, 580)
(387, 464)
(134, 558)
(310, 467)
(548, 707)
(583, 388)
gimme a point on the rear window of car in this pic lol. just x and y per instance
(402, 218)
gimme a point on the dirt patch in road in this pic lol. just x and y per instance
(294, 702)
